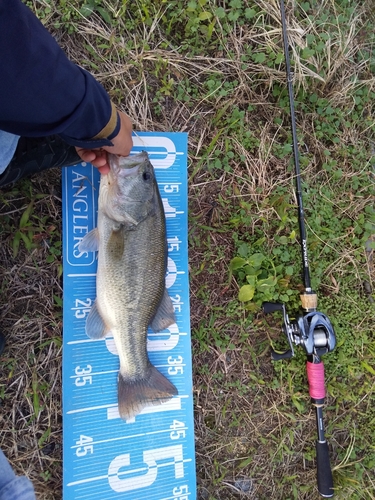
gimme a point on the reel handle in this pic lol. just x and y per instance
(324, 473)
(270, 307)
(276, 356)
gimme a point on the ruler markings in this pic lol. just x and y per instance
(114, 405)
(124, 473)
(91, 410)
(151, 433)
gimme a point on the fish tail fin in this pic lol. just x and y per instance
(135, 394)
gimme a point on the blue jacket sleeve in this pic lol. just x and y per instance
(42, 92)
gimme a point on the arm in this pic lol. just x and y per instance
(43, 93)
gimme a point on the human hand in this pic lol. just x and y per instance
(122, 145)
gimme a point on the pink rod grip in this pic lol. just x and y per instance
(315, 376)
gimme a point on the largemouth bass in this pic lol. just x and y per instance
(130, 282)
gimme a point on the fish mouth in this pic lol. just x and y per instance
(130, 162)
(129, 165)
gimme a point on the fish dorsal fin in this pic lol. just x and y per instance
(90, 243)
(95, 327)
(164, 316)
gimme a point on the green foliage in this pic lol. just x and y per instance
(34, 229)
(264, 282)
(95, 6)
(202, 21)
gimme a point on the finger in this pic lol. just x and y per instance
(104, 170)
(86, 154)
(99, 161)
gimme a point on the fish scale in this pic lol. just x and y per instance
(139, 285)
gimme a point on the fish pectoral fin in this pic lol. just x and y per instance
(136, 394)
(115, 245)
(90, 243)
(164, 316)
(95, 327)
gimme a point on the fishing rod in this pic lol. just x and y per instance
(311, 329)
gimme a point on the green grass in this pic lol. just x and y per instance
(215, 69)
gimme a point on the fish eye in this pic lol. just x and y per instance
(146, 176)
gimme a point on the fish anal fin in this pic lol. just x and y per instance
(95, 327)
(134, 394)
(164, 316)
(90, 242)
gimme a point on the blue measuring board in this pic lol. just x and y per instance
(152, 455)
